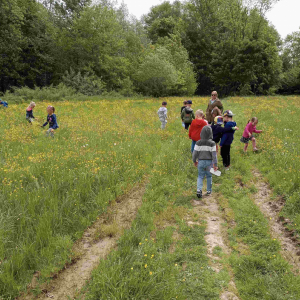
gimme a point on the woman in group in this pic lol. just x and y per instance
(213, 102)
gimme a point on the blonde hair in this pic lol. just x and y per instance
(252, 120)
(32, 104)
(199, 112)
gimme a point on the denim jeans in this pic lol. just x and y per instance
(193, 145)
(203, 169)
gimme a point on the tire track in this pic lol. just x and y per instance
(69, 282)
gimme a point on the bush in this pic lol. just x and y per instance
(88, 84)
(51, 93)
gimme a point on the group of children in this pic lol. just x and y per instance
(51, 118)
(206, 136)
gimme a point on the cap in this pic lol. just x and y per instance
(228, 113)
(164, 103)
(218, 120)
(189, 102)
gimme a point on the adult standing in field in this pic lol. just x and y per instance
(212, 104)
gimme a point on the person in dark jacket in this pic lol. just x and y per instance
(51, 120)
(187, 115)
(5, 104)
(227, 139)
(218, 130)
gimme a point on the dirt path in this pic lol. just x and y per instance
(215, 237)
(97, 242)
(290, 242)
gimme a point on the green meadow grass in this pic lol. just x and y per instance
(53, 189)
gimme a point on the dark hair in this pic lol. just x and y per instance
(164, 103)
(185, 102)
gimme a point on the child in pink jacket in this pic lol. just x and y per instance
(247, 134)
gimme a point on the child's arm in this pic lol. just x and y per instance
(55, 125)
(44, 124)
(256, 131)
(247, 129)
(215, 158)
(195, 155)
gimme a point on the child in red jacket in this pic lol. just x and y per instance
(196, 127)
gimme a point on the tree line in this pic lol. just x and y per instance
(178, 48)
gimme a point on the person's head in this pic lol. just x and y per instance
(32, 104)
(184, 103)
(199, 114)
(214, 95)
(254, 121)
(50, 110)
(164, 103)
(227, 116)
(216, 112)
(189, 103)
(218, 120)
(206, 133)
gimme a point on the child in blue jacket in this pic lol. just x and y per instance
(51, 119)
(5, 104)
(227, 139)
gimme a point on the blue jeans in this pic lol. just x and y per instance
(203, 169)
(193, 145)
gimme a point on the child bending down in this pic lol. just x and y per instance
(247, 134)
(51, 119)
(204, 157)
(29, 112)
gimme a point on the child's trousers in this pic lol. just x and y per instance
(225, 153)
(204, 169)
(50, 132)
(163, 124)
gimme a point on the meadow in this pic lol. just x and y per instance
(53, 189)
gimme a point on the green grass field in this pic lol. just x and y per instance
(53, 189)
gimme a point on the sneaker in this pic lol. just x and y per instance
(208, 193)
(199, 194)
(227, 169)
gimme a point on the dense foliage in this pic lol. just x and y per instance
(179, 48)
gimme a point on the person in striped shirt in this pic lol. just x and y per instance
(204, 158)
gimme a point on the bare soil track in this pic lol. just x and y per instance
(215, 237)
(290, 242)
(68, 283)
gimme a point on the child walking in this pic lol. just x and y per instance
(204, 157)
(162, 114)
(182, 108)
(5, 104)
(51, 119)
(29, 112)
(227, 139)
(196, 127)
(187, 115)
(247, 134)
(218, 130)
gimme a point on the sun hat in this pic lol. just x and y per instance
(218, 120)
(228, 113)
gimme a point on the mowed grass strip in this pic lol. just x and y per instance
(161, 257)
(259, 269)
(279, 160)
(52, 189)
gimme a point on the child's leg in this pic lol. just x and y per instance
(253, 143)
(201, 175)
(245, 147)
(187, 125)
(222, 151)
(193, 146)
(163, 125)
(228, 156)
(208, 177)
(50, 131)
(217, 148)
